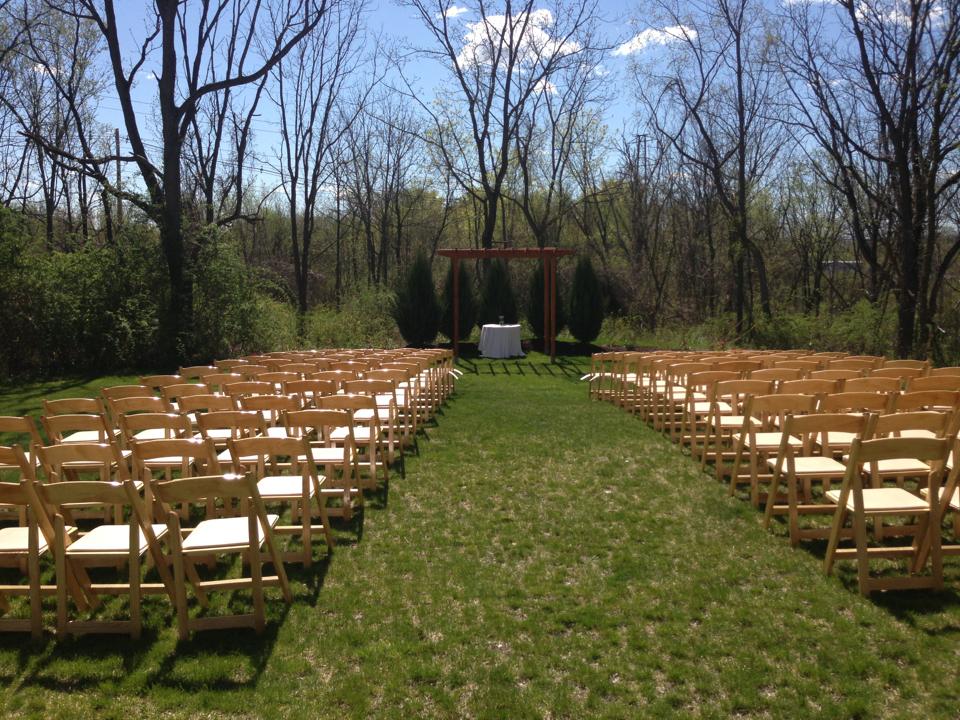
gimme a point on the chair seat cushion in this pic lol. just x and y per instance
(325, 455)
(112, 539)
(815, 466)
(899, 466)
(224, 534)
(883, 500)
(15, 541)
(275, 487)
(732, 421)
(767, 440)
(954, 498)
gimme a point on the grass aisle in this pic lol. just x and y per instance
(545, 557)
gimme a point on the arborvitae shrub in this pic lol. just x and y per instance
(415, 307)
(497, 297)
(468, 303)
(535, 304)
(586, 303)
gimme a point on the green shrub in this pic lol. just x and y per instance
(468, 303)
(96, 308)
(415, 309)
(586, 303)
(535, 304)
(863, 328)
(497, 298)
(364, 319)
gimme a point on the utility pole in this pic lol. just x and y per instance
(116, 140)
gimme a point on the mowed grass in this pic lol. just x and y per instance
(546, 556)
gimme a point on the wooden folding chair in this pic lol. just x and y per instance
(775, 375)
(277, 378)
(105, 545)
(174, 393)
(246, 535)
(196, 372)
(669, 404)
(285, 473)
(726, 418)
(339, 459)
(217, 381)
(114, 392)
(223, 425)
(923, 365)
(68, 429)
(406, 417)
(22, 431)
(272, 408)
(153, 426)
(157, 382)
(761, 435)
(814, 461)
(23, 545)
(365, 434)
(855, 403)
(308, 390)
(860, 364)
(872, 384)
(250, 370)
(934, 382)
(697, 407)
(249, 387)
(190, 406)
(857, 504)
(384, 395)
(835, 374)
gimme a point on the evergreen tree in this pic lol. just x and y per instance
(586, 303)
(415, 308)
(498, 298)
(468, 303)
(535, 304)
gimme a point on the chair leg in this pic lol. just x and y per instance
(33, 575)
(60, 562)
(133, 580)
(256, 574)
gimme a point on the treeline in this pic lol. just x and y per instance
(276, 164)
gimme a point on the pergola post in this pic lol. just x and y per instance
(546, 305)
(553, 308)
(455, 268)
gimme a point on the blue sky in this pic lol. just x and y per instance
(397, 25)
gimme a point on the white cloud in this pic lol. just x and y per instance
(651, 36)
(545, 85)
(455, 11)
(532, 38)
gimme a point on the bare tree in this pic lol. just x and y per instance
(183, 48)
(715, 104)
(317, 105)
(500, 60)
(881, 102)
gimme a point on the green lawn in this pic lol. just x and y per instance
(545, 556)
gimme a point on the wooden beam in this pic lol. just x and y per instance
(553, 309)
(455, 268)
(546, 308)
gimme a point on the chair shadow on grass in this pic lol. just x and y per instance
(907, 606)
(91, 660)
(45, 391)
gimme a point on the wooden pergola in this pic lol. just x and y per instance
(549, 257)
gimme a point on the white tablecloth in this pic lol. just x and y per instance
(500, 341)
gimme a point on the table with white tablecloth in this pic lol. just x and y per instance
(500, 341)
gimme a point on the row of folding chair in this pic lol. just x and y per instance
(888, 439)
(159, 449)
